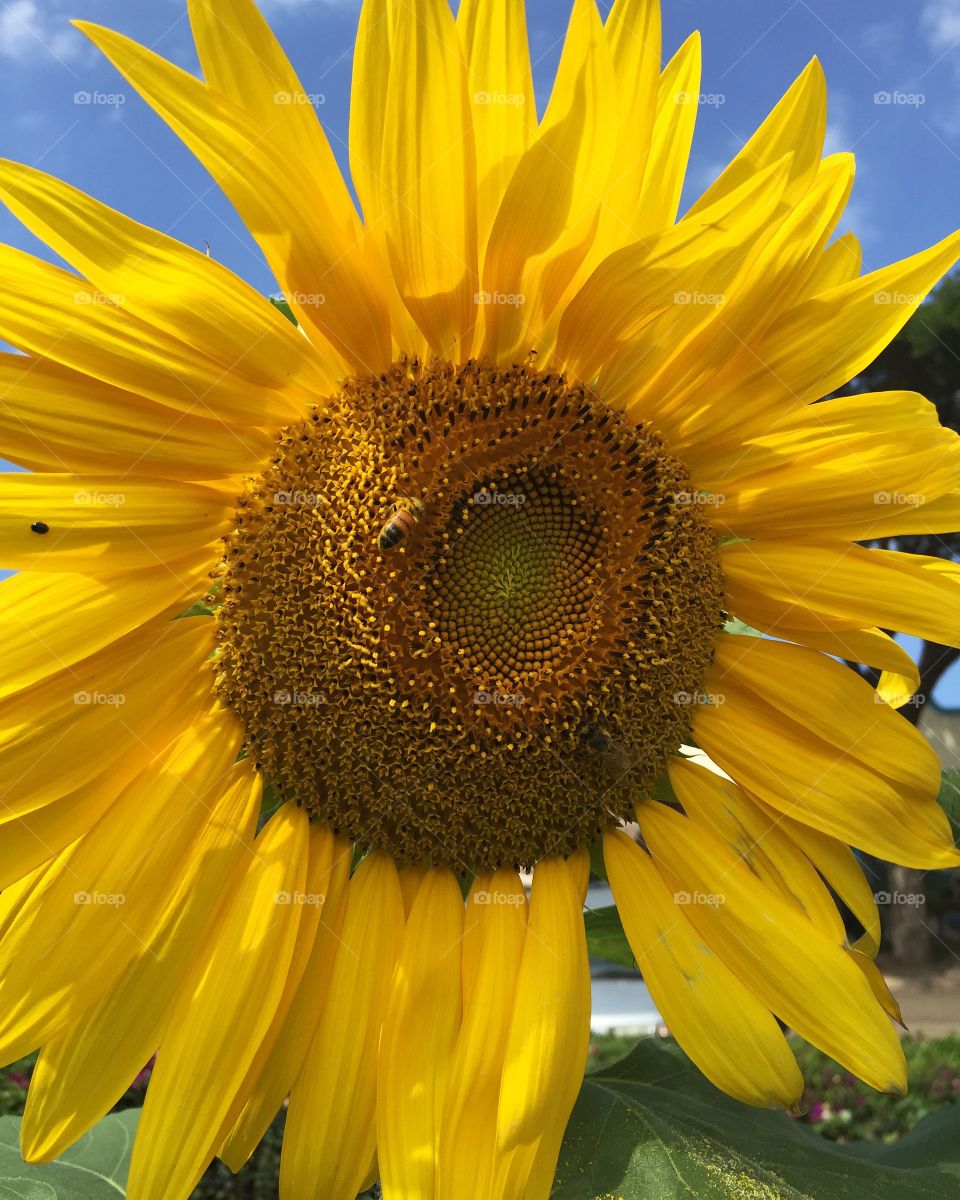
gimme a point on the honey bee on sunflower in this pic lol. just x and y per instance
(610, 473)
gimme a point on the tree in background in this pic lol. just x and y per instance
(924, 358)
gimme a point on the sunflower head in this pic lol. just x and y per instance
(481, 522)
(503, 674)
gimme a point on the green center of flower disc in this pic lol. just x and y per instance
(461, 612)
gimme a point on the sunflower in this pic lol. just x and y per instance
(331, 616)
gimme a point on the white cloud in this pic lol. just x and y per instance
(837, 138)
(26, 31)
(838, 135)
(941, 23)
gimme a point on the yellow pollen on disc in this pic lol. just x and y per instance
(461, 612)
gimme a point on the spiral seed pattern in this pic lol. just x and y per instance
(445, 698)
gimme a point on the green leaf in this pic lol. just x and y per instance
(949, 799)
(653, 1126)
(284, 307)
(94, 1169)
(605, 936)
(741, 627)
(597, 866)
(269, 803)
(199, 609)
(935, 1140)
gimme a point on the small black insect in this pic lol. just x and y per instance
(40, 527)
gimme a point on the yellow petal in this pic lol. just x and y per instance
(472, 930)
(105, 523)
(55, 419)
(839, 263)
(330, 1133)
(633, 31)
(797, 359)
(785, 961)
(84, 1070)
(635, 285)
(170, 287)
(686, 392)
(117, 709)
(368, 101)
(819, 433)
(310, 901)
(796, 126)
(758, 838)
(241, 58)
(410, 880)
(368, 109)
(935, 516)
(678, 97)
(729, 1034)
(221, 1015)
(324, 274)
(503, 102)
(30, 841)
(812, 761)
(419, 1034)
(279, 1069)
(549, 1029)
(878, 985)
(900, 676)
(838, 865)
(428, 155)
(50, 622)
(52, 313)
(73, 939)
(831, 702)
(14, 895)
(467, 1143)
(835, 481)
(547, 220)
(839, 586)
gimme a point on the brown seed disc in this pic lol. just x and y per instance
(463, 612)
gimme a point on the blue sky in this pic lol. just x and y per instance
(907, 193)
